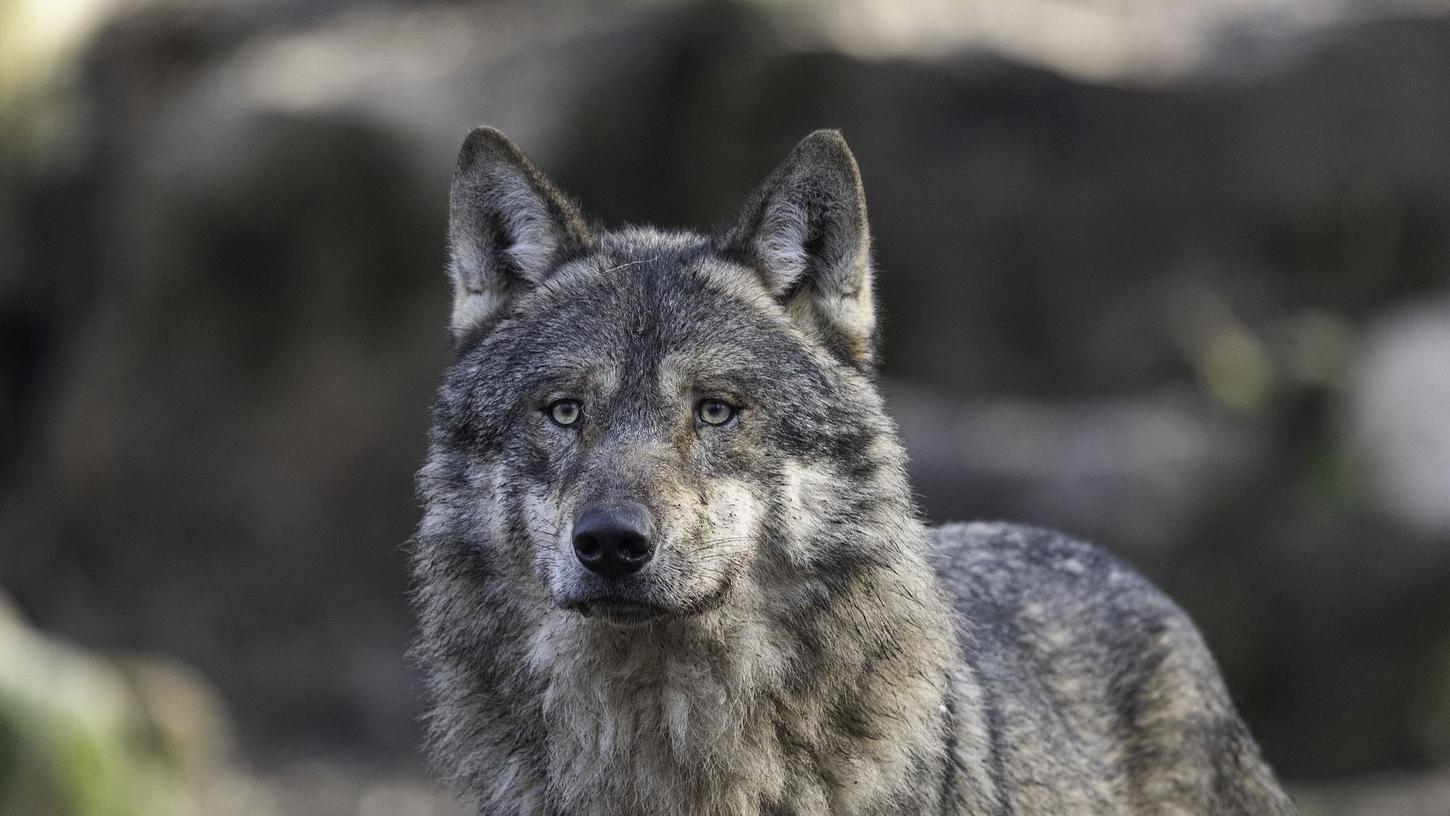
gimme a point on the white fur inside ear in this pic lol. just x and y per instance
(502, 233)
(780, 244)
(472, 307)
(534, 236)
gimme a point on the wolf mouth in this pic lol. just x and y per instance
(633, 612)
(625, 612)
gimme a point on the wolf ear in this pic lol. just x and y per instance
(508, 228)
(804, 232)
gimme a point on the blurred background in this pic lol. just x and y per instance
(1170, 275)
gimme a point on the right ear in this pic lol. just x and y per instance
(508, 229)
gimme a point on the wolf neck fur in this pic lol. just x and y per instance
(703, 709)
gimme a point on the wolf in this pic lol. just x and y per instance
(670, 563)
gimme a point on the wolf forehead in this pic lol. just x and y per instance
(640, 295)
(646, 318)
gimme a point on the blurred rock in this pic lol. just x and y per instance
(1390, 795)
(1400, 407)
(330, 788)
(1135, 473)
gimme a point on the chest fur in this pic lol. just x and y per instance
(657, 723)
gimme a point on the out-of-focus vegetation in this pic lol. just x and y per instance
(86, 735)
(82, 736)
(1173, 276)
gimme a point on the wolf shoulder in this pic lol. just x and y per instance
(1080, 656)
(1031, 601)
(1023, 582)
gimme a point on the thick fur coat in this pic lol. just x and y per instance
(788, 638)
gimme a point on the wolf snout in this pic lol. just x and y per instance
(614, 541)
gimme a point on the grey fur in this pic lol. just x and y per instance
(813, 648)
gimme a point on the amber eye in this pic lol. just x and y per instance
(714, 412)
(564, 412)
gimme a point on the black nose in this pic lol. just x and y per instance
(613, 541)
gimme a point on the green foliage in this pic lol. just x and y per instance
(80, 737)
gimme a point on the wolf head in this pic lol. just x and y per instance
(667, 538)
(635, 419)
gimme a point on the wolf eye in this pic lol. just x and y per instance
(564, 412)
(714, 412)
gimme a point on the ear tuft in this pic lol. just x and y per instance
(509, 228)
(805, 233)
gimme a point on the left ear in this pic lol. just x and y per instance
(804, 232)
